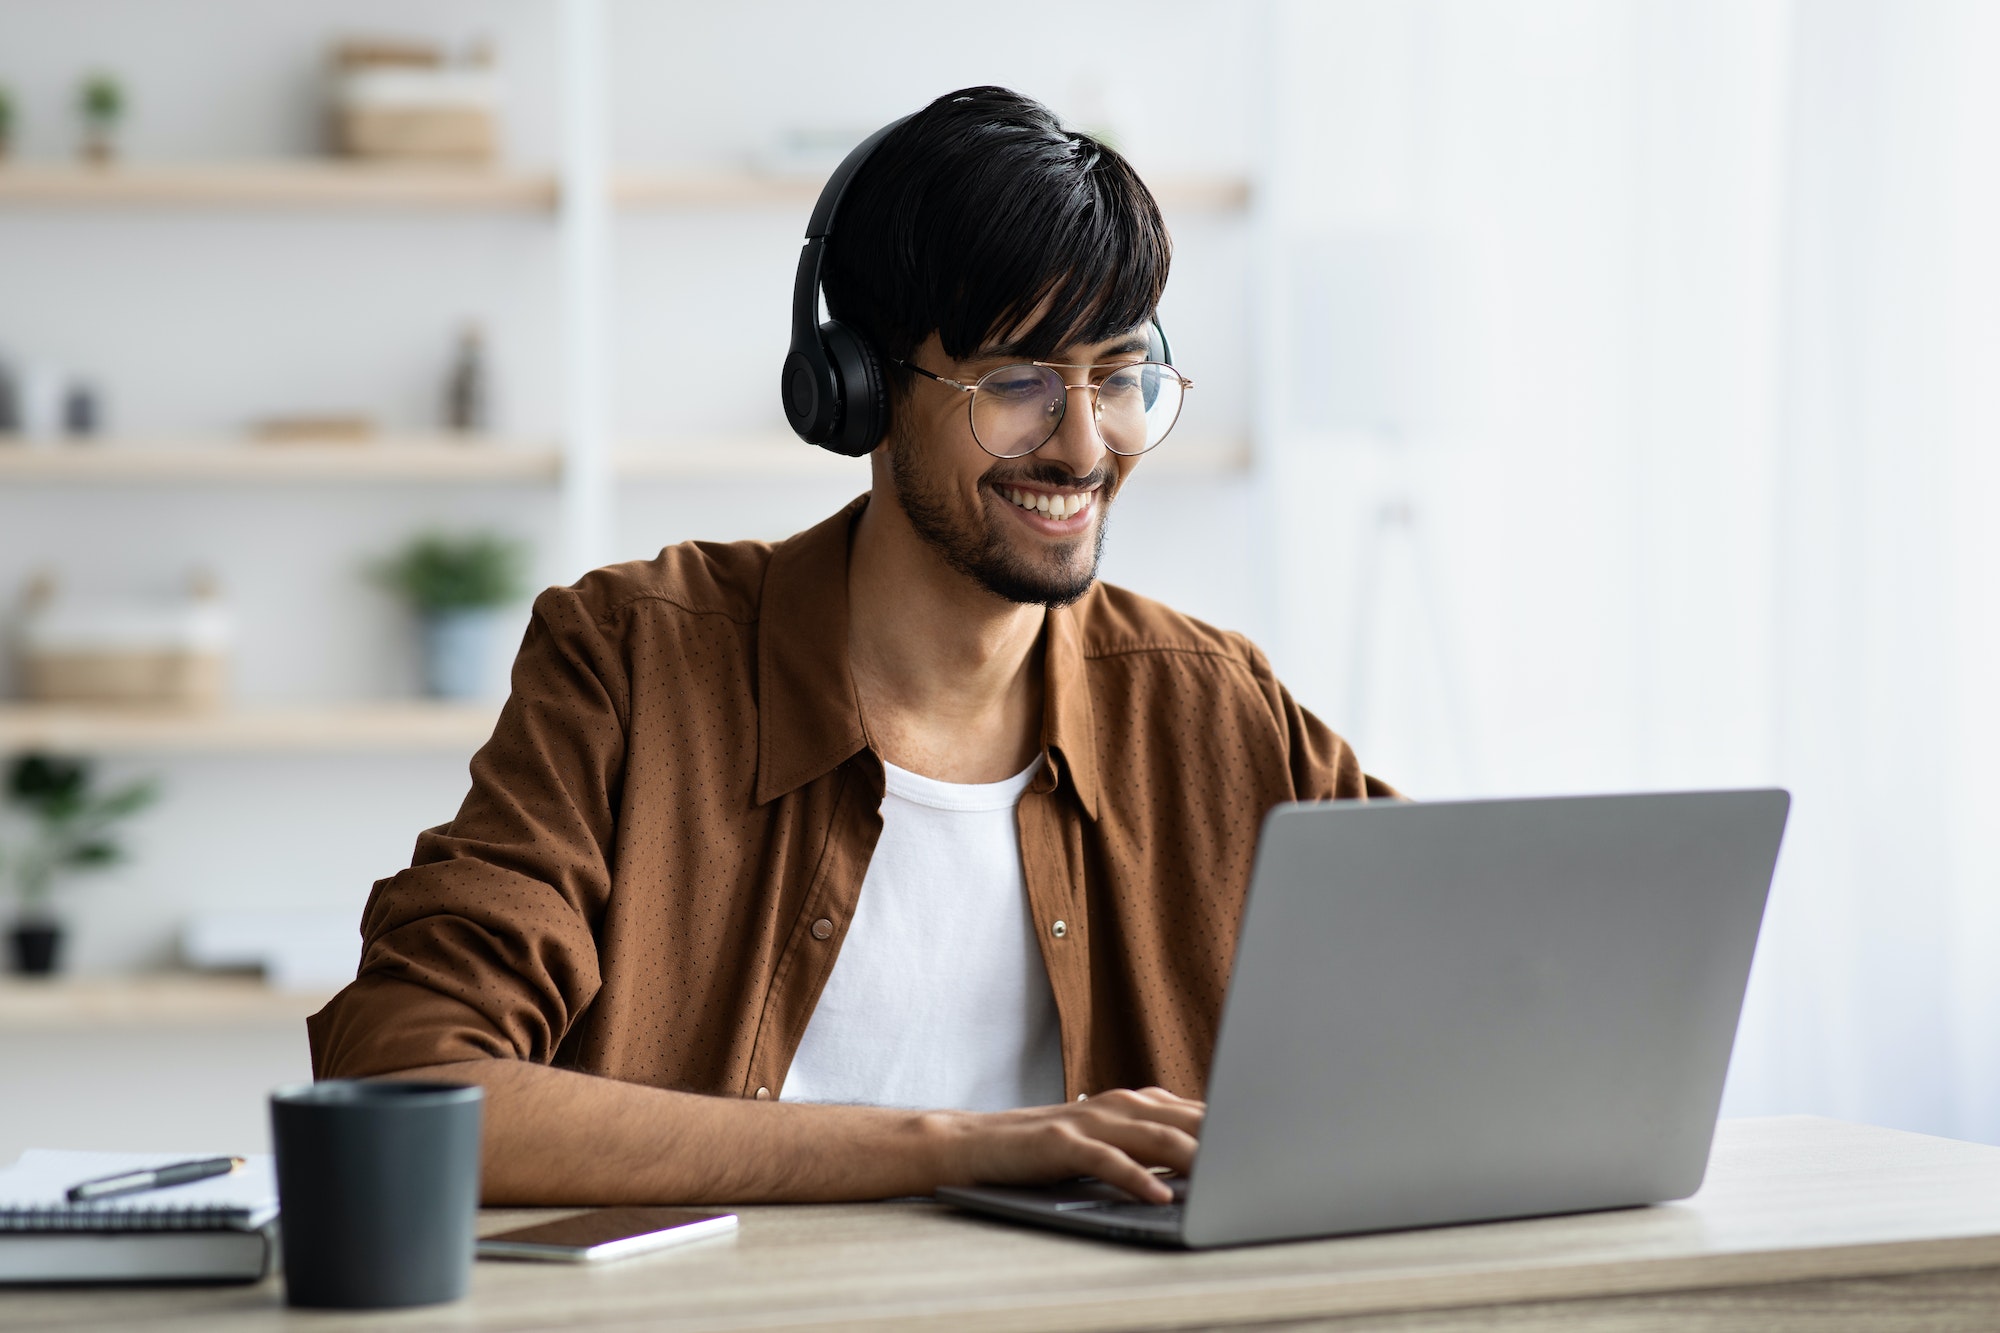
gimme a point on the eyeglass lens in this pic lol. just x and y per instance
(1016, 409)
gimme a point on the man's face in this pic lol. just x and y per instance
(1028, 529)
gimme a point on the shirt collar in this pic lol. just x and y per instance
(809, 717)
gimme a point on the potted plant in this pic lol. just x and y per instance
(100, 100)
(6, 122)
(71, 831)
(455, 585)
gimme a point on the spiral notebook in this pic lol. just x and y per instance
(217, 1229)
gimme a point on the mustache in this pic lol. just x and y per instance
(1102, 477)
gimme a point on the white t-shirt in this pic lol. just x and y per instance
(939, 998)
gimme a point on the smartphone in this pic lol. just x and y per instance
(608, 1233)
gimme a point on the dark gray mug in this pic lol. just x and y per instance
(378, 1190)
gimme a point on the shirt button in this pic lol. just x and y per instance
(763, 1094)
(1059, 929)
(822, 928)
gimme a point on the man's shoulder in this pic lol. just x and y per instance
(1117, 623)
(695, 578)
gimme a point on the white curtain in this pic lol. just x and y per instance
(1637, 419)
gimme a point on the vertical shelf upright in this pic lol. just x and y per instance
(585, 238)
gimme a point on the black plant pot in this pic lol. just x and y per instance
(37, 945)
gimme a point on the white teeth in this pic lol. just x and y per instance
(1055, 506)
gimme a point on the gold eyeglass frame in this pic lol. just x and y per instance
(1097, 408)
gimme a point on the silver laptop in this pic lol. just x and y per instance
(1463, 1011)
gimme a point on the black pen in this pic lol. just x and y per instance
(153, 1178)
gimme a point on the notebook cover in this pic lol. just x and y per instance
(137, 1256)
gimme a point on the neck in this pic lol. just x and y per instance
(948, 676)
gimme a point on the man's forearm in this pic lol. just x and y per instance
(557, 1136)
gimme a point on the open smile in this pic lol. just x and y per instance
(1049, 509)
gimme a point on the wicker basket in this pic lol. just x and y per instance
(160, 652)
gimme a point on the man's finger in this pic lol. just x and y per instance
(1108, 1164)
(1146, 1142)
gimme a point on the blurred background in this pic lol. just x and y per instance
(1592, 395)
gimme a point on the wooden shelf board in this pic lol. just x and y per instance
(410, 458)
(391, 727)
(165, 1000)
(282, 183)
(333, 183)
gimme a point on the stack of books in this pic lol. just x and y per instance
(221, 1229)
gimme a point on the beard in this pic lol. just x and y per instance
(1053, 576)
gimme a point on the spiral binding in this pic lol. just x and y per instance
(101, 1217)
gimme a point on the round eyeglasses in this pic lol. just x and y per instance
(1015, 410)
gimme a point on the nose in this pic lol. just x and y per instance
(1077, 445)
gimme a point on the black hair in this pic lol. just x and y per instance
(978, 212)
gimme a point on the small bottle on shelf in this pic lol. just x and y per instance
(465, 398)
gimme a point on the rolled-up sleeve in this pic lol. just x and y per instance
(486, 946)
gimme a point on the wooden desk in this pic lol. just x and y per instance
(1804, 1224)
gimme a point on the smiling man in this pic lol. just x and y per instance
(898, 854)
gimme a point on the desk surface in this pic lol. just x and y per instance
(1787, 1201)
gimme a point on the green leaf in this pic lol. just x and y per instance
(437, 572)
(36, 778)
(101, 98)
(94, 855)
(127, 800)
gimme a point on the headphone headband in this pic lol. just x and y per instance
(835, 189)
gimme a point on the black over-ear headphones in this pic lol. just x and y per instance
(835, 396)
(834, 392)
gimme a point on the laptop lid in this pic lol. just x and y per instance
(1467, 1010)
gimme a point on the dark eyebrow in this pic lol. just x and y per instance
(1135, 343)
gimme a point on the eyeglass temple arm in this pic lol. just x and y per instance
(930, 375)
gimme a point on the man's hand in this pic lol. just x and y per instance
(1116, 1136)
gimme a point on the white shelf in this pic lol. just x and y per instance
(167, 1000)
(373, 728)
(407, 458)
(295, 183)
(310, 183)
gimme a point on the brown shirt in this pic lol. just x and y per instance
(666, 836)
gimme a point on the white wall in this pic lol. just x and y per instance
(1701, 456)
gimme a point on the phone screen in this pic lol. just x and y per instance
(603, 1230)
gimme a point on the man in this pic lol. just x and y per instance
(776, 847)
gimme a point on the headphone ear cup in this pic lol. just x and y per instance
(863, 395)
(811, 394)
